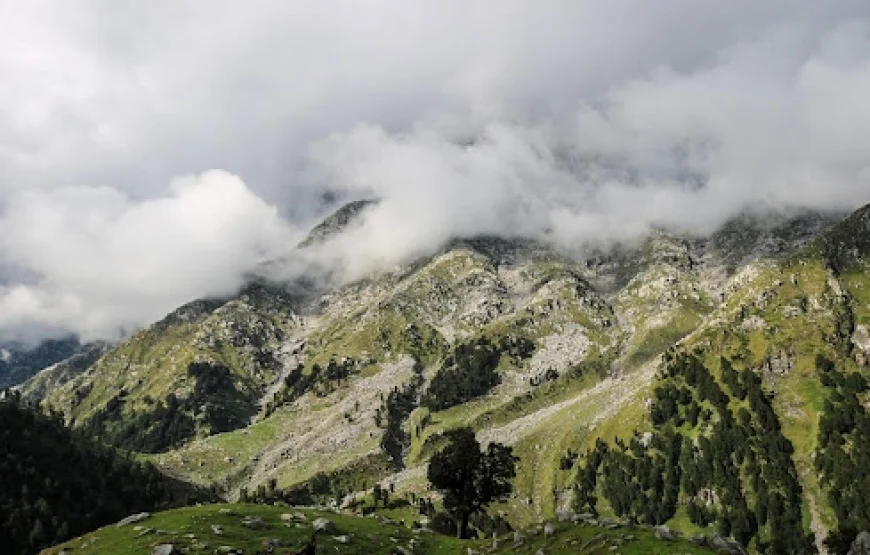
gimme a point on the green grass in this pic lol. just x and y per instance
(189, 530)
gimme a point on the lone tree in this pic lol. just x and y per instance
(470, 478)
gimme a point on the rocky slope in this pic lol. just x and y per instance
(300, 376)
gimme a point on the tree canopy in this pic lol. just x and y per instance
(470, 478)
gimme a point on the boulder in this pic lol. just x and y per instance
(163, 549)
(565, 516)
(138, 517)
(254, 523)
(861, 544)
(226, 511)
(549, 530)
(664, 533)
(725, 545)
(342, 539)
(518, 538)
(216, 530)
(324, 525)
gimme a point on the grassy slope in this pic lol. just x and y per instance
(190, 529)
(153, 363)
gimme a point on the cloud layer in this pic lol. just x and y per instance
(576, 121)
(103, 263)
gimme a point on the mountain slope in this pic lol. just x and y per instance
(571, 347)
(19, 362)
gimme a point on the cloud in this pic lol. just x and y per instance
(578, 122)
(107, 263)
(686, 150)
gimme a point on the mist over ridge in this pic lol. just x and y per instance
(154, 156)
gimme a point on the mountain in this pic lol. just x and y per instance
(40, 384)
(19, 361)
(326, 391)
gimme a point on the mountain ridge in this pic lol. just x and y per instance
(313, 380)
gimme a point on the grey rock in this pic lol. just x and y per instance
(539, 552)
(664, 533)
(698, 540)
(518, 538)
(228, 550)
(565, 516)
(271, 544)
(324, 525)
(725, 545)
(163, 549)
(254, 523)
(138, 517)
(342, 539)
(226, 511)
(549, 530)
(861, 544)
(217, 530)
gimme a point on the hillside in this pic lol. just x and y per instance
(353, 384)
(56, 483)
(222, 527)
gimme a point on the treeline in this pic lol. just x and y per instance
(720, 455)
(215, 405)
(392, 414)
(843, 455)
(320, 380)
(469, 371)
(56, 483)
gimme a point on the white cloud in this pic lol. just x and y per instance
(106, 263)
(580, 121)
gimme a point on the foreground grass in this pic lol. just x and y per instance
(190, 530)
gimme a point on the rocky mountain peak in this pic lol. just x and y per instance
(337, 221)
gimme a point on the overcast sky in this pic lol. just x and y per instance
(152, 152)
